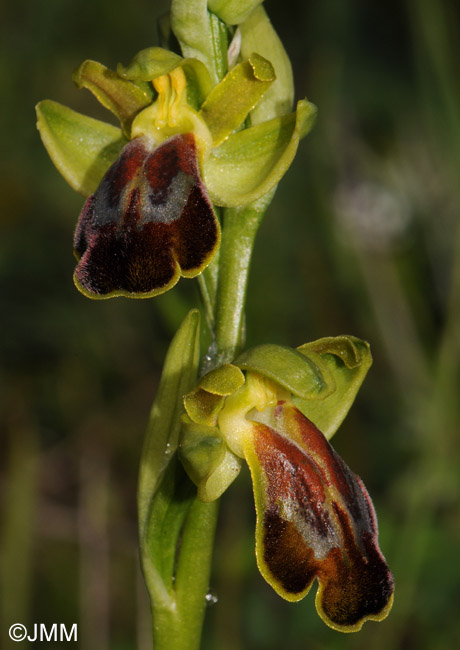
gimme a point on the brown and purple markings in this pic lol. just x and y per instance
(316, 520)
(149, 222)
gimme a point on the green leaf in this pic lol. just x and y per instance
(168, 512)
(178, 377)
(233, 12)
(81, 147)
(295, 372)
(258, 35)
(122, 97)
(251, 162)
(348, 360)
(228, 104)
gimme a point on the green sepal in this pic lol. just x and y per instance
(201, 449)
(295, 372)
(251, 162)
(228, 104)
(122, 97)
(207, 460)
(205, 402)
(258, 35)
(233, 12)
(81, 147)
(347, 359)
(149, 63)
(154, 62)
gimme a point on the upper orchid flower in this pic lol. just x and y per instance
(187, 142)
(276, 408)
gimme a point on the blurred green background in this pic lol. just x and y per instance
(362, 238)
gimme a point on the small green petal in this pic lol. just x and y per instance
(251, 162)
(122, 97)
(228, 104)
(222, 381)
(203, 407)
(258, 35)
(204, 404)
(233, 12)
(293, 371)
(81, 147)
(348, 360)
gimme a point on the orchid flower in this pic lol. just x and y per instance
(276, 408)
(187, 142)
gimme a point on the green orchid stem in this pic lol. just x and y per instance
(240, 227)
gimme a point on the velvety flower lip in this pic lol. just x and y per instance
(315, 519)
(149, 222)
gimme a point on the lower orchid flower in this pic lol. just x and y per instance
(315, 519)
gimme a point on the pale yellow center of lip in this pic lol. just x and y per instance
(171, 115)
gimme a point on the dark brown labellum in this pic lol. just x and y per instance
(149, 222)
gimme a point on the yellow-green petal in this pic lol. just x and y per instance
(258, 35)
(203, 407)
(223, 381)
(228, 104)
(251, 162)
(81, 147)
(348, 360)
(206, 401)
(122, 97)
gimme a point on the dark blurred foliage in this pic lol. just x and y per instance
(362, 238)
